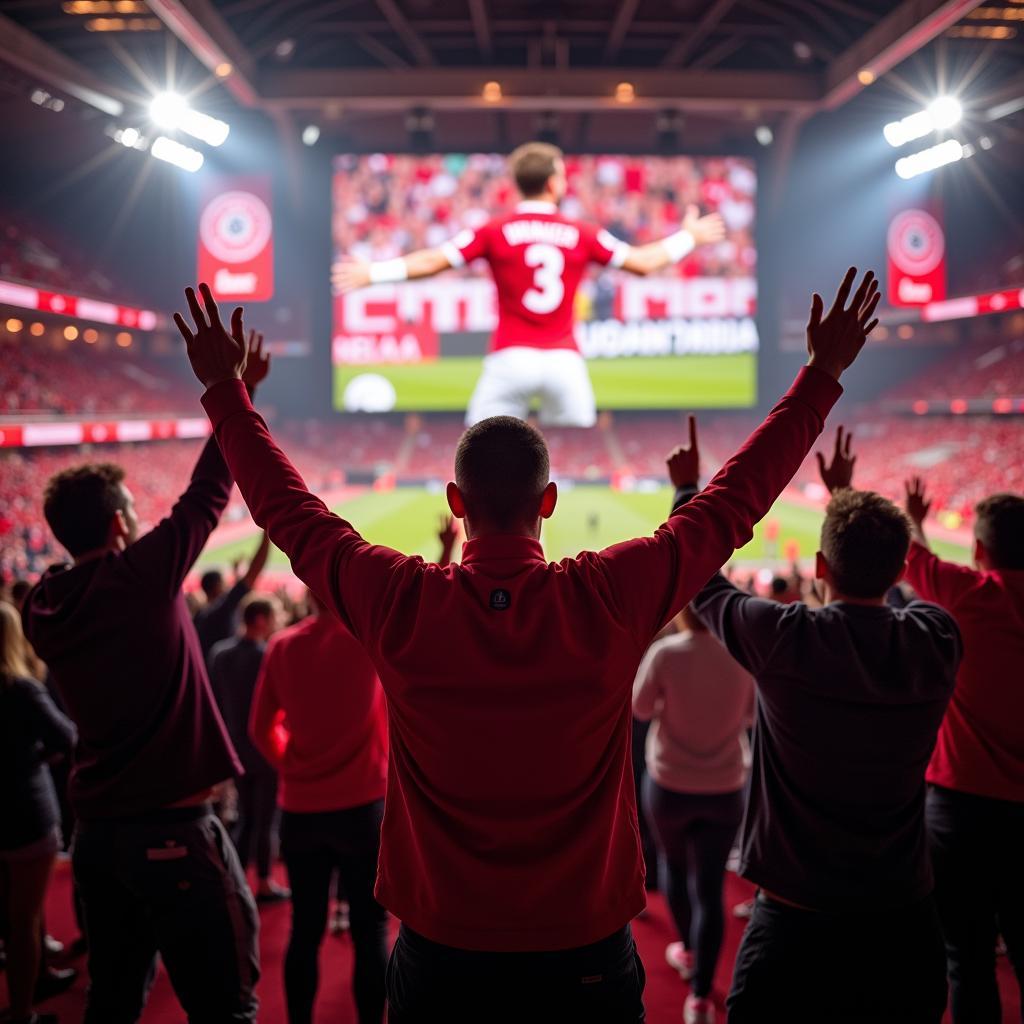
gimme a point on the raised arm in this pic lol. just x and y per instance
(346, 573)
(258, 563)
(164, 556)
(747, 626)
(448, 534)
(932, 578)
(655, 256)
(653, 578)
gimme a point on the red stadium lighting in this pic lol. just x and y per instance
(123, 339)
(958, 406)
(1002, 405)
(90, 336)
(920, 407)
(37, 330)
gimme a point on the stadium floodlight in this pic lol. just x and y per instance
(310, 135)
(930, 159)
(172, 112)
(175, 153)
(940, 114)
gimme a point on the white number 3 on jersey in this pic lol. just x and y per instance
(548, 290)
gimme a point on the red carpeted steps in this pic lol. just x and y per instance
(664, 998)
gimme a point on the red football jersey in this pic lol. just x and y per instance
(537, 258)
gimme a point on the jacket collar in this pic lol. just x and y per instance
(502, 547)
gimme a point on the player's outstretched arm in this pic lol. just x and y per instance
(349, 275)
(327, 554)
(696, 231)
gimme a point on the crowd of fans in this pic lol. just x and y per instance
(77, 381)
(29, 253)
(386, 205)
(881, 790)
(990, 367)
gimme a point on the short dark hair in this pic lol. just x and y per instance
(865, 540)
(211, 580)
(532, 164)
(256, 606)
(1000, 527)
(502, 468)
(79, 503)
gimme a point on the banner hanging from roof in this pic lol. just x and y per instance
(236, 238)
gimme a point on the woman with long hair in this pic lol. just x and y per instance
(32, 731)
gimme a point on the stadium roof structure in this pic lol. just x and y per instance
(495, 69)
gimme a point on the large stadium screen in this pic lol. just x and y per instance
(682, 337)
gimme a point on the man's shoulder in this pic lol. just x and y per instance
(224, 648)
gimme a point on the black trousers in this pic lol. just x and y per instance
(695, 832)
(253, 833)
(977, 847)
(801, 966)
(602, 983)
(313, 846)
(168, 883)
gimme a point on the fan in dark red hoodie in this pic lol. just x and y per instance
(509, 846)
(155, 869)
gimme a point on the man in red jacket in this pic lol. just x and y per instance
(319, 718)
(509, 847)
(976, 775)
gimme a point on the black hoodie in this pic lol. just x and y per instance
(125, 659)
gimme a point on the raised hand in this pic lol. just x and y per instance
(840, 473)
(917, 504)
(348, 275)
(684, 462)
(447, 535)
(215, 353)
(705, 230)
(835, 340)
(257, 362)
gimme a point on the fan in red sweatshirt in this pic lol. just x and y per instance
(510, 820)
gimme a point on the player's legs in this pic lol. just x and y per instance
(565, 392)
(509, 380)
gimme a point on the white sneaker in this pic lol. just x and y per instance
(678, 957)
(698, 1011)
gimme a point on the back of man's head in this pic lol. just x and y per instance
(80, 503)
(212, 583)
(532, 165)
(257, 607)
(865, 540)
(1000, 528)
(501, 469)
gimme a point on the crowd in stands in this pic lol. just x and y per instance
(34, 255)
(989, 367)
(78, 381)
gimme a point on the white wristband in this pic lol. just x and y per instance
(388, 271)
(679, 245)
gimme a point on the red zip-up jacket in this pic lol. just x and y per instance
(510, 820)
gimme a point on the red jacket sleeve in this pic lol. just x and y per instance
(166, 554)
(944, 583)
(653, 578)
(346, 573)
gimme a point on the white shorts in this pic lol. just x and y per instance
(513, 377)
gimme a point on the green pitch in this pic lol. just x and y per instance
(659, 382)
(407, 519)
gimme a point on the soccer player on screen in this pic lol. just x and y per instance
(537, 258)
